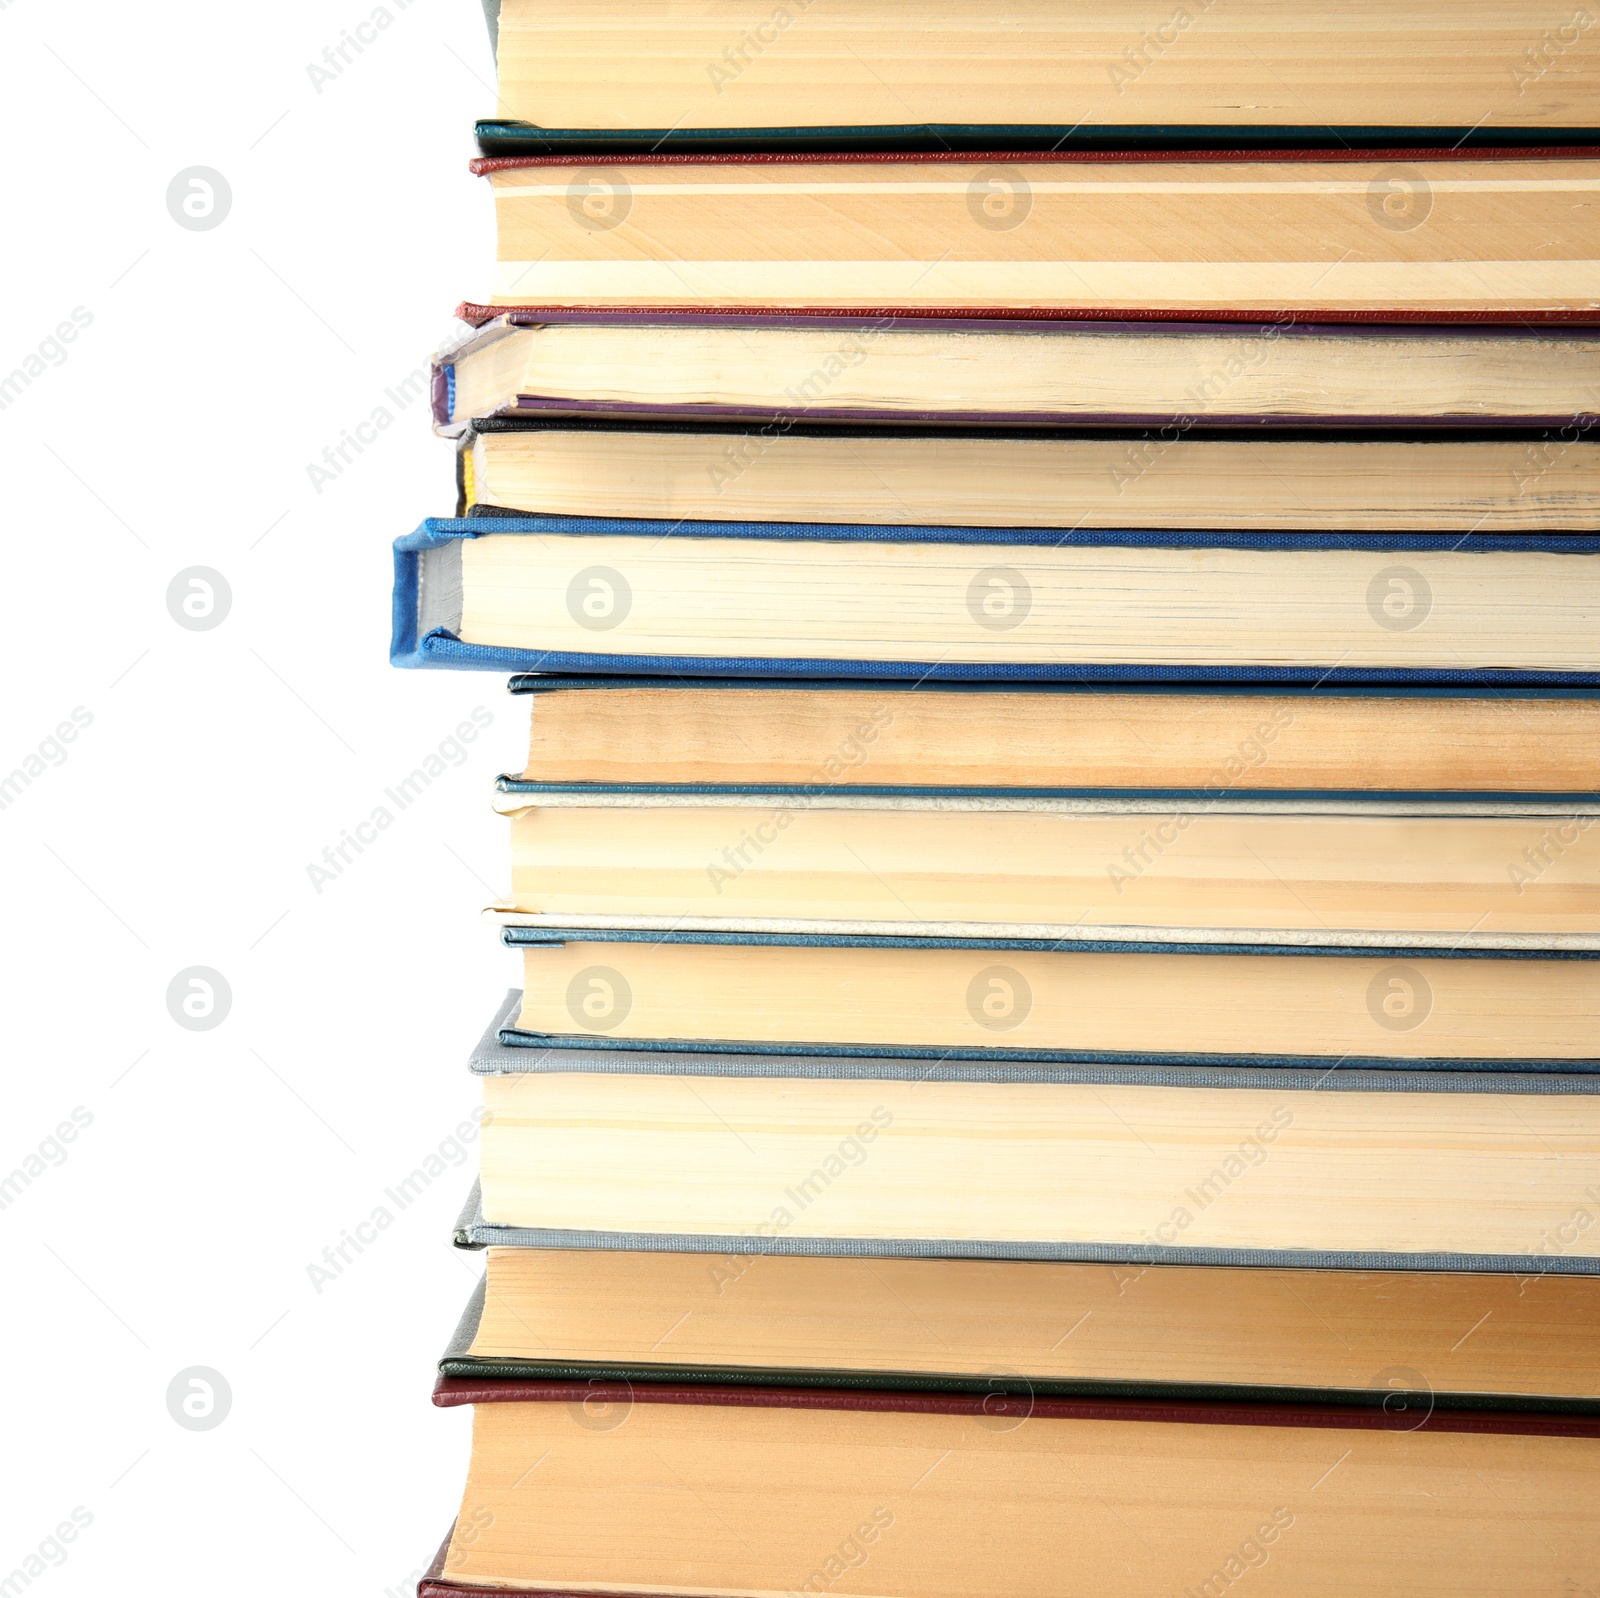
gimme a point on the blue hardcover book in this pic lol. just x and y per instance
(919, 603)
(751, 1154)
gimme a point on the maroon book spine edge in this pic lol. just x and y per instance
(478, 314)
(451, 1391)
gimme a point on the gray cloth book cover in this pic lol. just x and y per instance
(494, 1056)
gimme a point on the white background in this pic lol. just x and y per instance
(177, 830)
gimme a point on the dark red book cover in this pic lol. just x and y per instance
(1413, 1415)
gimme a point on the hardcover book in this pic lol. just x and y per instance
(1441, 235)
(1224, 479)
(813, 599)
(1492, 1002)
(687, 1489)
(785, 1152)
(1405, 1342)
(1131, 744)
(1175, 377)
(619, 76)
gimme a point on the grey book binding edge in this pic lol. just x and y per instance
(470, 1214)
(529, 1055)
(473, 1232)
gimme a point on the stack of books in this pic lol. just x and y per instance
(1053, 559)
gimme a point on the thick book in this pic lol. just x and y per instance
(672, 1489)
(1282, 479)
(616, 76)
(1137, 744)
(1334, 234)
(1179, 380)
(810, 599)
(1402, 1341)
(1326, 1166)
